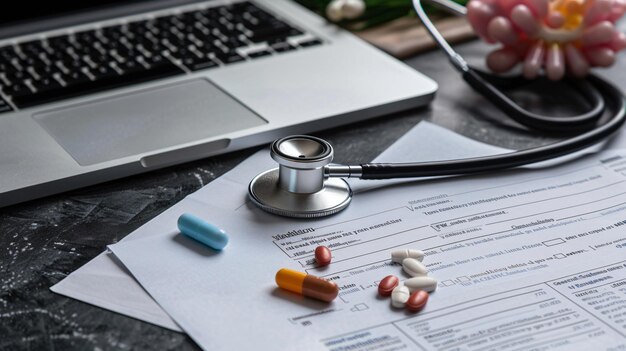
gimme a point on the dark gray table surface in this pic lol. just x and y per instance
(43, 241)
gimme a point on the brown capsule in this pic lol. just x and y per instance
(322, 256)
(417, 301)
(319, 288)
(386, 286)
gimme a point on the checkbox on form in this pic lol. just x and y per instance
(553, 242)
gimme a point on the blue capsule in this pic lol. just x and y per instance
(202, 231)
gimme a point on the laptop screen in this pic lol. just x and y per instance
(27, 10)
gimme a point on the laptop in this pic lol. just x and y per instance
(97, 90)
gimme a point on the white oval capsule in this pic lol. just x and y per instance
(399, 255)
(399, 296)
(428, 284)
(414, 268)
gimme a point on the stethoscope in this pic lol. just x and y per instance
(307, 185)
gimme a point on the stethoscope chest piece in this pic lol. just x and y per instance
(299, 187)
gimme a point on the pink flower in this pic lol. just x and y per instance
(556, 35)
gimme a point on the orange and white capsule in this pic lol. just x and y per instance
(307, 285)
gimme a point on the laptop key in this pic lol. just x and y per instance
(17, 90)
(230, 57)
(310, 43)
(16, 77)
(32, 48)
(269, 33)
(282, 47)
(4, 107)
(103, 73)
(46, 84)
(7, 53)
(129, 66)
(155, 60)
(74, 78)
(259, 54)
(196, 64)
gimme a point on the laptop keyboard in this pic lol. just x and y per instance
(54, 68)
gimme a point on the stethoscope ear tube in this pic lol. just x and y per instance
(613, 97)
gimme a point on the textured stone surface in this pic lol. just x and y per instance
(43, 241)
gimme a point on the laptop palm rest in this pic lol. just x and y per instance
(128, 125)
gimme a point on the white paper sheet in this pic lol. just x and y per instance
(492, 240)
(105, 283)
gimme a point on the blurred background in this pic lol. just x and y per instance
(391, 25)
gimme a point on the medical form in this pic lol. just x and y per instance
(525, 259)
(106, 283)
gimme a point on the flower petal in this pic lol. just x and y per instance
(534, 60)
(555, 63)
(502, 60)
(576, 62)
(524, 20)
(502, 30)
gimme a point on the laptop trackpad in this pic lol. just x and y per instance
(145, 121)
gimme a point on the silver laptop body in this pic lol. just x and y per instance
(327, 78)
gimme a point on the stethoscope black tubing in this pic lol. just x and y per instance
(489, 86)
(609, 95)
